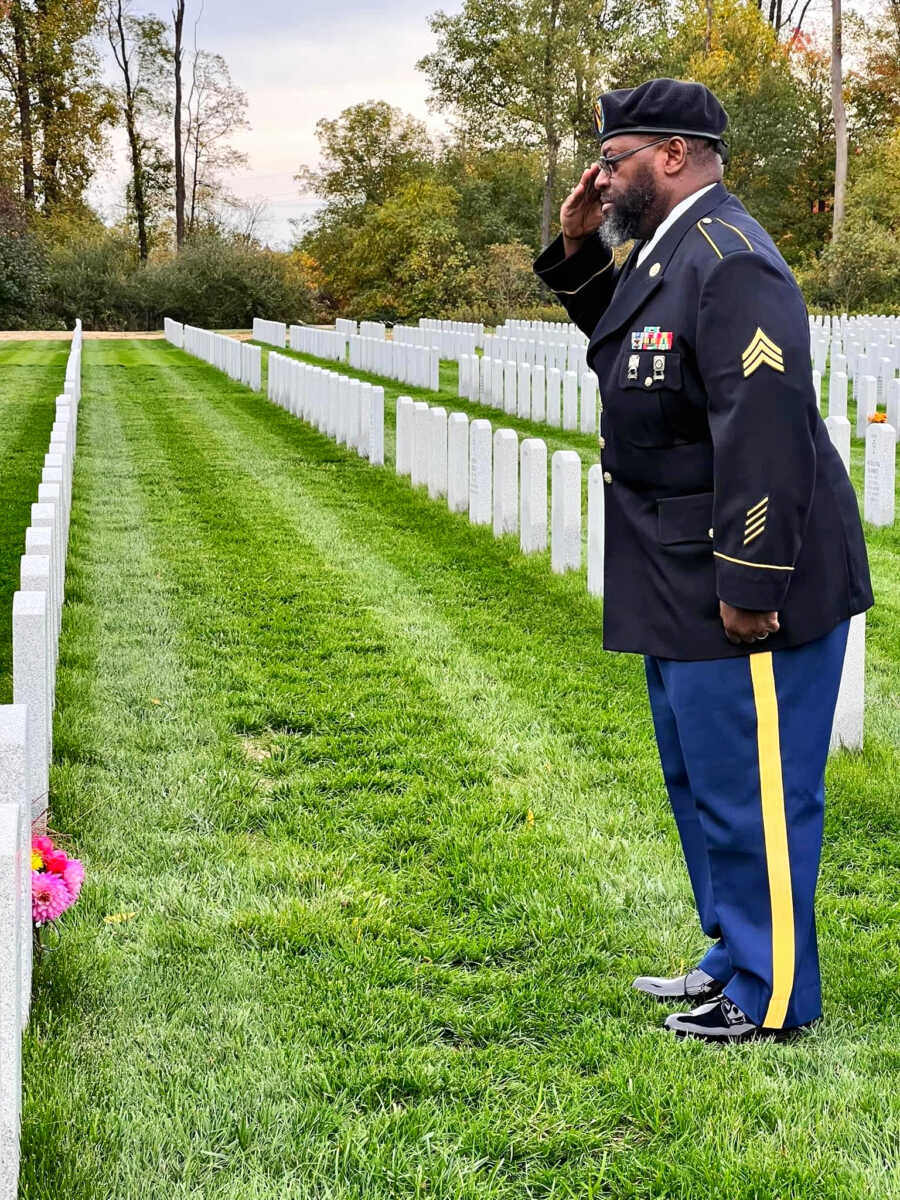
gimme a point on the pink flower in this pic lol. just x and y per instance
(55, 861)
(49, 897)
(42, 845)
(73, 876)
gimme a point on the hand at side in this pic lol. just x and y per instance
(745, 625)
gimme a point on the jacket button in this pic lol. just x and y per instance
(607, 478)
(709, 533)
(648, 382)
(654, 270)
(602, 442)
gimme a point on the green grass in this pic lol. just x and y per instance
(394, 835)
(31, 376)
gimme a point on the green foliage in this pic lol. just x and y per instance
(406, 256)
(22, 268)
(368, 153)
(499, 193)
(220, 283)
(91, 277)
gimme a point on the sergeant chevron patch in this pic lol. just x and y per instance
(762, 350)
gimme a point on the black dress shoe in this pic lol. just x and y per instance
(696, 985)
(721, 1021)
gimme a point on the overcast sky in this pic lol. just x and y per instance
(297, 63)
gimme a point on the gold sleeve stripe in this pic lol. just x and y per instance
(775, 839)
(737, 231)
(750, 536)
(709, 239)
(559, 292)
(751, 511)
(742, 562)
(757, 523)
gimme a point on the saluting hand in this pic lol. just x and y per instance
(745, 625)
(582, 210)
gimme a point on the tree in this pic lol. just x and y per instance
(779, 128)
(214, 111)
(368, 152)
(140, 52)
(177, 64)
(50, 71)
(22, 267)
(840, 119)
(527, 70)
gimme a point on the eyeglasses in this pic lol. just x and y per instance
(606, 164)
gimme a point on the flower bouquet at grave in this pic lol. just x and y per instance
(56, 883)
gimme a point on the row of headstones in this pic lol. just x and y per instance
(239, 360)
(347, 410)
(879, 475)
(499, 482)
(26, 744)
(538, 331)
(323, 343)
(272, 333)
(564, 355)
(416, 366)
(532, 393)
(449, 343)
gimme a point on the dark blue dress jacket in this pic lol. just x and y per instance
(721, 480)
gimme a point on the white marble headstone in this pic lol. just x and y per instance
(533, 488)
(565, 503)
(880, 474)
(506, 482)
(480, 472)
(458, 462)
(595, 530)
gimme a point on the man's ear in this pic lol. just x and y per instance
(676, 156)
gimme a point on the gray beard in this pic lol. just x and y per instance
(634, 214)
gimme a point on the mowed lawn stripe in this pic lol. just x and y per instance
(31, 376)
(356, 966)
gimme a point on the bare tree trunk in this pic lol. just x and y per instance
(840, 120)
(119, 43)
(550, 127)
(549, 187)
(709, 25)
(23, 101)
(178, 17)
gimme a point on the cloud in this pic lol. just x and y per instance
(298, 64)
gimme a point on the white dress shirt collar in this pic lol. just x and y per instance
(681, 207)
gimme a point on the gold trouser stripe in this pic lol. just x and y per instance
(778, 863)
(709, 239)
(742, 562)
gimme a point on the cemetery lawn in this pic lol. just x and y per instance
(376, 839)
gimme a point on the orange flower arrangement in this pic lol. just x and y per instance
(877, 418)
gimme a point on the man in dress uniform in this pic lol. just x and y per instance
(734, 551)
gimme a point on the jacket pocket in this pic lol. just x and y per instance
(684, 519)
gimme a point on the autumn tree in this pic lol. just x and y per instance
(50, 79)
(367, 153)
(529, 70)
(141, 54)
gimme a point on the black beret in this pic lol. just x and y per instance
(661, 106)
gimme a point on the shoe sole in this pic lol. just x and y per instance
(663, 999)
(755, 1035)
